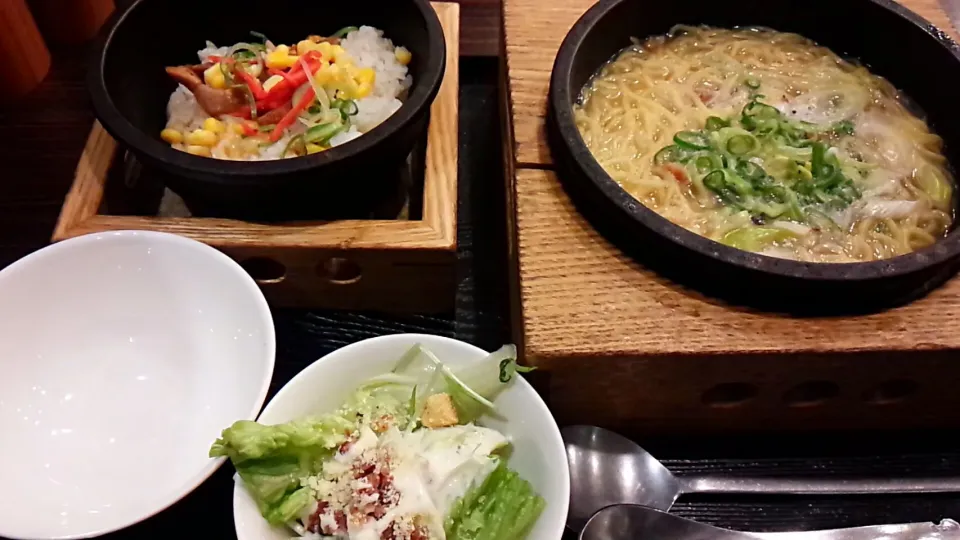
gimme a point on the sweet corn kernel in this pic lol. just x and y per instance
(271, 82)
(202, 137)
(171, 136)
(314, 148)
(198, 150)
(326, 49)
(323, 74)
(281, 58)
(306, 46)
(366, 75)
(403, 55)
(237, 128)
(213, 76)
(214, 125)
(340, 55)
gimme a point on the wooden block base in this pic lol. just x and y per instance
(620, 346)
(395, 265)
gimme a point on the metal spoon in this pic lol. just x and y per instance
(607, 468)
(632, 522)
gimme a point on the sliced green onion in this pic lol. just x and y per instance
(715, 122)
(266, 128)
(750, 170)
(843, 127)
(708, 162)
(756, 109)
(260, 36)
(693, 140)
(251, 99)
(668, 154)
(298, 139)
(323, 133)
(739, 145)
(344, 31)
(752, 82)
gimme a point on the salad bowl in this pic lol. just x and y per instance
(536, 451)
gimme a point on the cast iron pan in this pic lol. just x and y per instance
(130, 91)
(892, 41)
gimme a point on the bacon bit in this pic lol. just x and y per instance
(345, 447)
(313, 522)
(389, 533)
(379, 511)
(365, 470)
(382, 424)
(341, 518)
(678, 172)
(706, 95)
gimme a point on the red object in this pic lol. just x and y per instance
(243, 112)
(291, 116)
(251, 82)
(249, 130)
(678, 173)
(283, 90)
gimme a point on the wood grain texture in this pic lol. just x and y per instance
(533, 32)
(570, 306)
(71, 21)
(406, 266)
(26, 57)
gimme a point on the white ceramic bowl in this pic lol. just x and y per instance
(538, 451)
(122, 356)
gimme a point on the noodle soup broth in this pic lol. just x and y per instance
(767, 142)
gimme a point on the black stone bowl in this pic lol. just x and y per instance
(892, 41)
(130, 91)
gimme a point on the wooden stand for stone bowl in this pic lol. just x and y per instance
(395, 265)
(619, 346)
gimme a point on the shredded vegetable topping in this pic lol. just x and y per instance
(274, 100)
(402, 459)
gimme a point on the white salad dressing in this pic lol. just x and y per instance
(428, 471)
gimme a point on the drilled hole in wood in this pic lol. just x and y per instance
(893, 391)
(264, 269)
(811, 393)
(729, 394)
(341, 271)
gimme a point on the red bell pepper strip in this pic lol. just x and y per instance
(291, 116)
(249, 129)
(283, 90)
(251, 82)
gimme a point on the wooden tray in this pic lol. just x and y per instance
(390, 265)
(625, 348)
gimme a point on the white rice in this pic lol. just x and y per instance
(368, 49)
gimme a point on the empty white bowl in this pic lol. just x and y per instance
(538, 452)
(122, 356)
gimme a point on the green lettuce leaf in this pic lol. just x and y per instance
(271, 460)
(503, 506)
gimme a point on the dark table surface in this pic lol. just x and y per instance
(42, 137)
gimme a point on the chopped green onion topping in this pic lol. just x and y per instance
(344, 31)
(739, 145)
(693, 140)
(715, 123)
(730, 161)
(323, 133)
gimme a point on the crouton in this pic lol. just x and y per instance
(439, 412)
